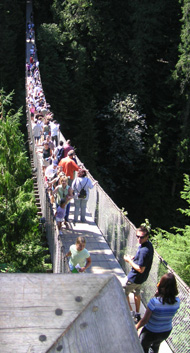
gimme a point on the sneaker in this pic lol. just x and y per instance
(137, 318)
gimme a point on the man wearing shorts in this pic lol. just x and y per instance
(141, 264)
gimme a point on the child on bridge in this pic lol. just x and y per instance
(80, 258)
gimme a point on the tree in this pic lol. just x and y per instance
(95, 50)
(20, 243)
(154, 37)
(175, 247)
(12, 38)
(122, 149)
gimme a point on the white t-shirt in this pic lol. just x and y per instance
(80, 183)
(54, 129)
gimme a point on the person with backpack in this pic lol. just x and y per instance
(81, 186)
(59, 152)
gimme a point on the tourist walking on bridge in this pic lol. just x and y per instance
(63, 190)
(69, 166)
(81, 186)
(60, 215)
(141, 264)
(47, 153)
(67, 148)
(54, 131)
(157, 320)
(80, 258)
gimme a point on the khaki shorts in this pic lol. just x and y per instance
(132, 288)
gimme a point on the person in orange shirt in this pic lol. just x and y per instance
(69, 166)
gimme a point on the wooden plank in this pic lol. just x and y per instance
(38, 310)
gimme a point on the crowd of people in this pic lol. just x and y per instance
(63, 177)
(65, 180)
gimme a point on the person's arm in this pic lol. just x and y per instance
(55, 190)
(68, 254)
(69, 195)
(88, 263)
(75, 166)
(145, 319)
(136, 267)
(52, 181)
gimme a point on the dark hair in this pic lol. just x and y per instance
(144, 230)
(167, 288)
(62, 202)
(61, 143)
(81, 173)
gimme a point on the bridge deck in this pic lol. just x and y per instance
(103, 259)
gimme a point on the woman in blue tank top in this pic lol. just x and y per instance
(157, 320)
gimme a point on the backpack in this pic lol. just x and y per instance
(82, 194)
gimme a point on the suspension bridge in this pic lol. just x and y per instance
(88, 312)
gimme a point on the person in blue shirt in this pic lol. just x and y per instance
(157, 320)
(141, 264)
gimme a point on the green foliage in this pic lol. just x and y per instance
(89, 53)
(185, 195)
(154, 151)
(122, 147)
(175, 247)
(147, 225)
(182, 71)
(20, 246)
(154, 36)
(12, 38)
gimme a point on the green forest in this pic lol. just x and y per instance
(117, 77)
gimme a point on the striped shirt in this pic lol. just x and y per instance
(162, 315)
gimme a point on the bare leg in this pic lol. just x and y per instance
(130, 307)
(59, 225)
(137, 302)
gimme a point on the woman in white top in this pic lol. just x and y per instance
(81, 186)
